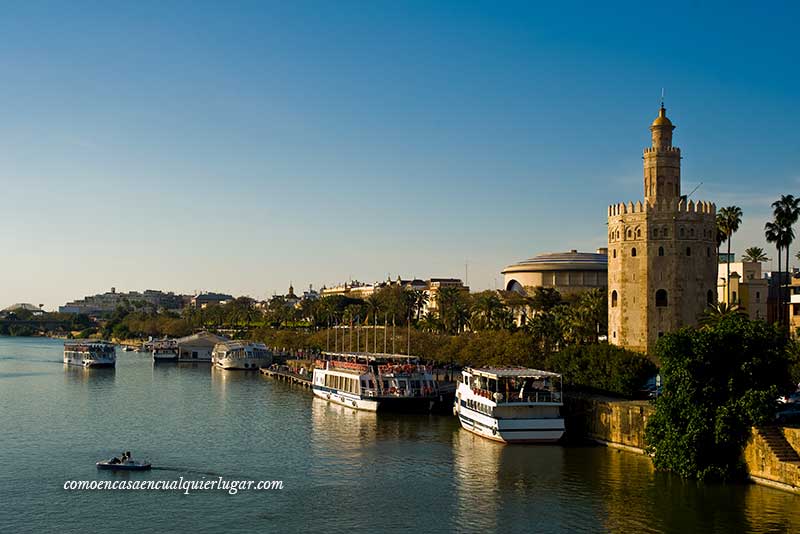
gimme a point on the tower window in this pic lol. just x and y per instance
(614, 253)
(733, 296)
(630, 234)
(710, 297)
(638, 232)
(614, 299)
(633, 252)
(655, 232)
(661, 298)
(682, 232)
(691, 232)
(688, 251)
(660, 251)
(758, 296)
(664, 232)
(708, 251)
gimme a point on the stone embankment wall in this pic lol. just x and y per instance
(613, 422)
(772, 453)
(772, 457)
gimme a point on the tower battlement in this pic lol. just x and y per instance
(669, 149)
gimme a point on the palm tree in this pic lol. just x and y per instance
(721, 235)
(731, 219)
(774, 234)
(755, 254)
(786, 212)
(420, 301)
(719, 311)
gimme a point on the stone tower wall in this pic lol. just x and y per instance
(663, 247)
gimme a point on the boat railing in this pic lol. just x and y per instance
(404, 369)
(537, 395)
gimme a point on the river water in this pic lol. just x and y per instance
(342, 470)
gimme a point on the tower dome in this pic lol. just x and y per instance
(662, 119)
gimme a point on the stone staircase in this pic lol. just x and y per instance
(776, 441)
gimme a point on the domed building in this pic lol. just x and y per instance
(570, 272)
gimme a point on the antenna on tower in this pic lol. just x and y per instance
(662, 97)
(686, 197)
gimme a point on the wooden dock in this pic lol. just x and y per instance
(287, 376)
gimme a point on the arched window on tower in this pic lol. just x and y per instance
(660, 251)
(630, 233)
(664, 232)
(655, 233)
(614, 299)
(614, 253)
(661, 298)
(691, 232)
(682, 232)
(633, 252)
(638, 232)
(688, 251)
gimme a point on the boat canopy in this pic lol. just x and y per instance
(370, 357)
(510, 372)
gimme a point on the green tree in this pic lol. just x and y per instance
(755, 254)
(602, 367)
(718, 382)
(731, 218)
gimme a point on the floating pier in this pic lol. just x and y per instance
(287, 376)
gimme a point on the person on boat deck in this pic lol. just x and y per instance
(114, 461)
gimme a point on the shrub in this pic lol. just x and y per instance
(718, 382)
(602, 367)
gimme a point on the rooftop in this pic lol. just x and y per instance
(552, 261)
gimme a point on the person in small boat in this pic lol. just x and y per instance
(114, 461)
(127, 456)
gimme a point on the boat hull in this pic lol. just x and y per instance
(242, 365)
(376, 404)
(89, 363)
(123, 467)
(549, 430)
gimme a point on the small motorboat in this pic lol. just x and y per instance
(127, 465)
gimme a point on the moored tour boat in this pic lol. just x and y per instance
(511, 405)
(86, 353)
(243, 355)
(373, 382)
(165, 351)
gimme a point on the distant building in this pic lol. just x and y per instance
(106, 303)
(748, 288)
(775, 280)
(794, 304)
(197, 347)
(434, 286)
(430, 287)
(35, 310)
(203, 300)
(570, 272)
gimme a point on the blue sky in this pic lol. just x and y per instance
(237, 146)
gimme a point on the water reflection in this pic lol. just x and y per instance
(89, 375)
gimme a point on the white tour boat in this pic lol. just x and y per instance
(511, 405)
(165, 351)
(246, 355)
(373, 382)
(86, 353)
